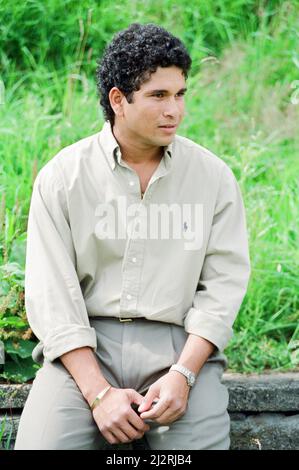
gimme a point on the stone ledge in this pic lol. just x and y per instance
(265, 392)
(264, 431)
(247, 393)
(13, 396)
(264, 410)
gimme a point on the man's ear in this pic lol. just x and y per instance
(116, 98)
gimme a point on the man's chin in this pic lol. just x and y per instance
(164, 141)
(161, 141)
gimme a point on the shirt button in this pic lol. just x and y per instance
(134, 260)
(131, 183)
(129, 297)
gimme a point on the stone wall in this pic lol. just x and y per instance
(264, 410)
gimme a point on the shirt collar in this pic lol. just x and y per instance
(112, 149)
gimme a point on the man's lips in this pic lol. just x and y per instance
(168, 128)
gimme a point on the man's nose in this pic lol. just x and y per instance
(172, 108)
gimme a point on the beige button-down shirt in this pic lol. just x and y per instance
(96, 248)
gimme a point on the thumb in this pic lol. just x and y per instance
(135, 397)
(148, 400)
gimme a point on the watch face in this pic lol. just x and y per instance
(191, 380)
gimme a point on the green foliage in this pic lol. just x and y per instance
(242, 103)
(19, 366)
(4, 440)
(33, 33)
(19, 371)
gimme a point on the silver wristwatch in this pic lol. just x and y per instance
(190, 376)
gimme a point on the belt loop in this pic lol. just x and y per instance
(125, 319)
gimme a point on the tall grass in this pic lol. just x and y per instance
(240, 104)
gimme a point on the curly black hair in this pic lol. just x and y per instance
(130, 58)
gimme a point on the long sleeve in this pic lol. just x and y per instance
(226, 268)
(54, 302)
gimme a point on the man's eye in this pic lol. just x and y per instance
(161, 95)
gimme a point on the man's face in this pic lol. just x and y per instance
(158, 103)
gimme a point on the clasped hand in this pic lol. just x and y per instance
(119, 423)
(172, 392)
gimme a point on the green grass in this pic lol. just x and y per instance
(241, 104)
(5, 442)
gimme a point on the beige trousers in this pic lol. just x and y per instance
(131, 355)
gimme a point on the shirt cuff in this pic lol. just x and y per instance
(208, 327)
(63, 339)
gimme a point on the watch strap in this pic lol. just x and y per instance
(190, 376)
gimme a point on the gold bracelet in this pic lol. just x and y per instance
(98, 397)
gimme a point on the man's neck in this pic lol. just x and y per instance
(134, 152)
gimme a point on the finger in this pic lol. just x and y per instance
(131, 432)
(110, 438)
(135, 397)
(167, 417)
(156, 411)
(148, 400)
(137, 422)
(120, 435)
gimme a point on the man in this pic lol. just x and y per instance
(133, 320)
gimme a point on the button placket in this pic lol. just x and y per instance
(133, 261)
(132, 275)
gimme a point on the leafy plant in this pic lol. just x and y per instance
(15, 332)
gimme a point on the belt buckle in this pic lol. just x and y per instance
(125, 319)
